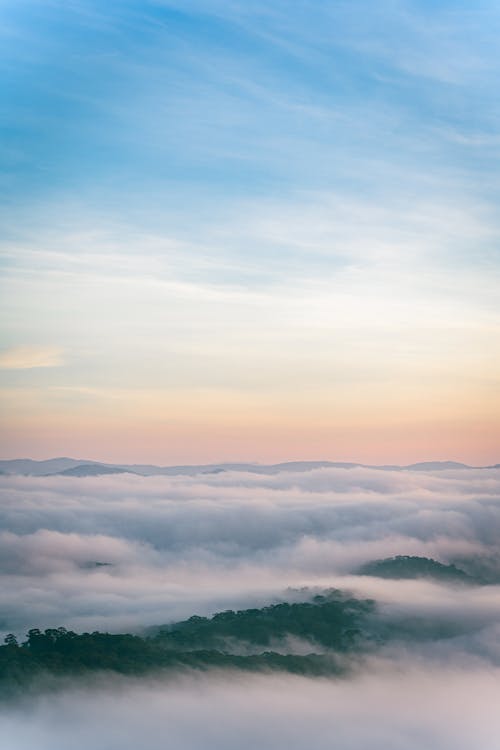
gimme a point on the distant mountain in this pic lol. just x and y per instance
(436, 466)
(82, 467)
(406, 566)
(186, 470)
(92, 470)
(40, 468)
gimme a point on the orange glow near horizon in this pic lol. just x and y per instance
(211, 428)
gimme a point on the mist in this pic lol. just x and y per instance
(126, 552)
(391, 706)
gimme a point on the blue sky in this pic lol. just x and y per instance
(108, 100)
(244, 197)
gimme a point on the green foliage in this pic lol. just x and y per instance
(407, 566)
(331, 621)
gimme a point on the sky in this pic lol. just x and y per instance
(250, 231)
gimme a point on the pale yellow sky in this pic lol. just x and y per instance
(392, 355)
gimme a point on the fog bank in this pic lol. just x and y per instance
(388, 708)
(122, 552)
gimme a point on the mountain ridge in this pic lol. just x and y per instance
(65, 466)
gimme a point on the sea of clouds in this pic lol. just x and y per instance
(179, 545)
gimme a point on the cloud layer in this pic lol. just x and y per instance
(386, 709)
(178, 545)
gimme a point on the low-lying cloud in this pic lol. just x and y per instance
(385, 708)
(122, 552)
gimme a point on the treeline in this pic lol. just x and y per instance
(411, 566)
(252, 639)
(331, 620)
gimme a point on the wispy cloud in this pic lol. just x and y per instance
(233, 196)
(30, 357)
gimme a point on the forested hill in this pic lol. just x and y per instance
(319, 636)
(408, 566)
(330, 621)
(252, 639)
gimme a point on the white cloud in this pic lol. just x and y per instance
(179, 545)
(388, 708)
(197, 544)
